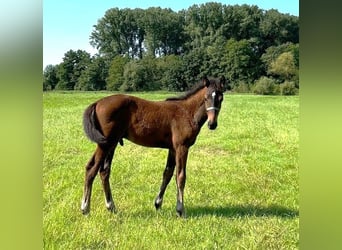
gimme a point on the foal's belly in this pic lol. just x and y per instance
(156, 138)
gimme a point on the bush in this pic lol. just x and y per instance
(288, 88)
(266, 86)
(242, 87)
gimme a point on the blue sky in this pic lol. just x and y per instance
(67, 24)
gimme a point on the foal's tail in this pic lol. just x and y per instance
(92, 127)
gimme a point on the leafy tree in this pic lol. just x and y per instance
(241, 21)
(273, 52)
(50, 78)
(141, 75)
(284, 66)
(216, 51)
(202, 21)
(119, 33)
(276, 29)
(240, 61)
(172, 77)
(164, 31)
(93, 76)
(74, 62)
(116, 73)
(193, 65)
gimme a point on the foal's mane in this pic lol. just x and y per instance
(185, 96)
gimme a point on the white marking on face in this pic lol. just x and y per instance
(213, 94)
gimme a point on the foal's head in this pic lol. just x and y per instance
(213, 99)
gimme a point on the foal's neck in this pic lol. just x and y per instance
(197, 107)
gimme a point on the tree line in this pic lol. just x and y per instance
(159, 49)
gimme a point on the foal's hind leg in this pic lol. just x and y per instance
(92, 168)
(167, 175)
(105, 174)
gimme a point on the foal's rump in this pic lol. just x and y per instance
(91, 125)
(100, 117)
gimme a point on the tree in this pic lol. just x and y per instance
(284, 66)
(172, 77)
(116, 73)
(141, 75)
(119, 32)
(50, 78)
(93, 77)
(271, 62)
(240, 62)
(74, 62)
(276, 29)
(273, 52)
(193, 66)
(164, 31)
(241, 21)
(203, 21)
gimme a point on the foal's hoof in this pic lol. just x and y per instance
(85, 208)
(85, 211)
(111, 207)
(180, 210)
(180, 214)
(158, 203)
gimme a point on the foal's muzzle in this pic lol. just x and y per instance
(212, 123)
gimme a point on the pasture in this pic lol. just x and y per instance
(242, 189)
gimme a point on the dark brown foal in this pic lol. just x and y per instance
(172, 124)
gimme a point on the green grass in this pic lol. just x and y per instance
(242, 187)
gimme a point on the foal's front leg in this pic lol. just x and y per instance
(181, 158)
(167, 175)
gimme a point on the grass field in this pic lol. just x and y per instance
(242, 188)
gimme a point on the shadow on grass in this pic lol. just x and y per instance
(242, 211)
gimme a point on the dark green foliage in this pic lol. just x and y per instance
(69, 71)
(164, 31)
(50, 78)
(116, 73)
(171, 70)
(161, 49)
(240, 61)
(141, 75)
(93, 76)
(118, 33)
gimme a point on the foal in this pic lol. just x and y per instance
(172, 124)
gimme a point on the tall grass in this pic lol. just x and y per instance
(241, 190)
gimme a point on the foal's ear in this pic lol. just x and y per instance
(206, 82)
